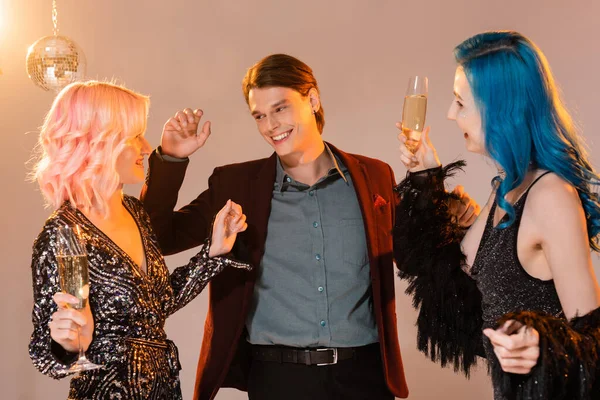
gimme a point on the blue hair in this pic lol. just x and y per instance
(524, 120)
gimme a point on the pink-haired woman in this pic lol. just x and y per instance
(92, 143)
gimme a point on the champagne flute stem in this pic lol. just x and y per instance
(81, 352)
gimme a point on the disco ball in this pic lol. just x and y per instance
(55, 61)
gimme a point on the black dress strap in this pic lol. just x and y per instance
(538, 178)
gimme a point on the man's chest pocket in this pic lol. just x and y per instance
(354, 242)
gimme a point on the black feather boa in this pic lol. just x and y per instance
(567, 367)
(428, 253)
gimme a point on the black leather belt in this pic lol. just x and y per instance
(320, 357)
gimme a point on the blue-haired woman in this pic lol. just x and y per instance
(518, 286)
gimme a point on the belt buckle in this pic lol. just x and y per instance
(335, 356)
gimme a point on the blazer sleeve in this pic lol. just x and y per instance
(188, 227)
(427, 250)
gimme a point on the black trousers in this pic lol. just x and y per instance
(360, 378)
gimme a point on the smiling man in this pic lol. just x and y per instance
(316, 319)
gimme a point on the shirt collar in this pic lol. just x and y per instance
(281, 177)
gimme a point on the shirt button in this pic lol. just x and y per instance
(288, 179)
(315, 224)
(323, 323)
(311, 193)
(320, 289)
(317, 257)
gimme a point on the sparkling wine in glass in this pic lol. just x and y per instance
(414, 111)
(74, 280)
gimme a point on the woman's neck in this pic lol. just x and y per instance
(115, 210)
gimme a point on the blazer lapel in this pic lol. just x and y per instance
(364, 192)
(258, 208)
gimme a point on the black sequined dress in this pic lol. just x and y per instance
(129, 307)
(505, 286)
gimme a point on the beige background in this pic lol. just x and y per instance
(194, 54)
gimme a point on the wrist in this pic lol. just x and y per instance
(422, 167)
(171, 156)
(213, 251)
(431, 162)
(419, 168)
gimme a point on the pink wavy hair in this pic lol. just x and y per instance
(84, 132)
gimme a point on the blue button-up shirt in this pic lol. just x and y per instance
(313, 287)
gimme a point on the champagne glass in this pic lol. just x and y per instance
(74, 280)
(414, 110)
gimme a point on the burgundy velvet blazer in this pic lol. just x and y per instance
(224, 357)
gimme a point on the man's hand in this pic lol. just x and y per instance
(180, 136)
